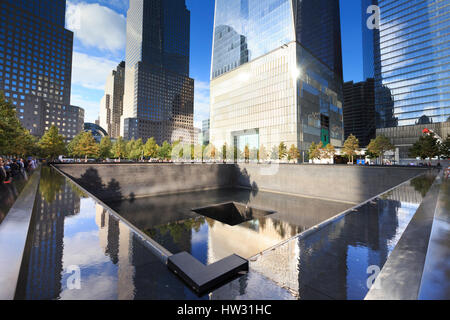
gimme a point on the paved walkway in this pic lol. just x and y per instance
(436, 274)
(419, 267)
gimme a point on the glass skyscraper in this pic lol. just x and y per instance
(36, 65)
(111, 106)
(159, 95)
(276, 73)
(409, 57)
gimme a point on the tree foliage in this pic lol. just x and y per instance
(135, 149)
(224, 152)
(351, 147)
(52, 144)
(165, 151)
(379, 146)
(86, 146)
(105, 148)
(247, 153)
(282, 151)
(426, 147)
(329, 151)
(119, 149)
(293, 153)
(315, 151)
(71, 146)
(14, 138)
(263, 154)
(445, 148)
(151, 148)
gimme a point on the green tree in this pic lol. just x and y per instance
(329, 151)
(282, 151)
(105, 148)
(294, 153)
(224, 152)
(315, 151)
(246, 153)
(165, 151)
(52, 144)
(213, 152)
(86, 146)
(72, 144)
(14, 138)
(119, 149)
(25, 144)
(151, 148)
(351, 147)
(135, 149)
(426, 147)
(380, 146)
(445, 148)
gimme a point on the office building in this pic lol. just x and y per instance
(359, 111)
(206, 126)
(276, 74)
(159, 95)
(36, 65)
(111, 107)
(410, 57)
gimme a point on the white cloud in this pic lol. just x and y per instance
(91, 107)
(90, 72)
(201, 103)
(121, 5)
(97, 26)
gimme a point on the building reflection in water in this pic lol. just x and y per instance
(333, 262)
(70, 229)
(44, 266)
(170, 221)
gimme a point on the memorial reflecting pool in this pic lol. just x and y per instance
(70, 230)
(171, 222)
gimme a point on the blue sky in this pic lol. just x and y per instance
(99, 46)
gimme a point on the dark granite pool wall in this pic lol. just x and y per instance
(111, 182)
(340, 183)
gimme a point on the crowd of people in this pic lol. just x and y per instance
(10, 168)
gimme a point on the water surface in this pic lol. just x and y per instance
(170, 221)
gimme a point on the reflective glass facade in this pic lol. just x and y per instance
(248, 29)
(36, 65)
(318, 29)
(159, 95)
(359, 111)
(411, 62)
(54, 11)
(276, 74)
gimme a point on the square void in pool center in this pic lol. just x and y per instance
(232, 213)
